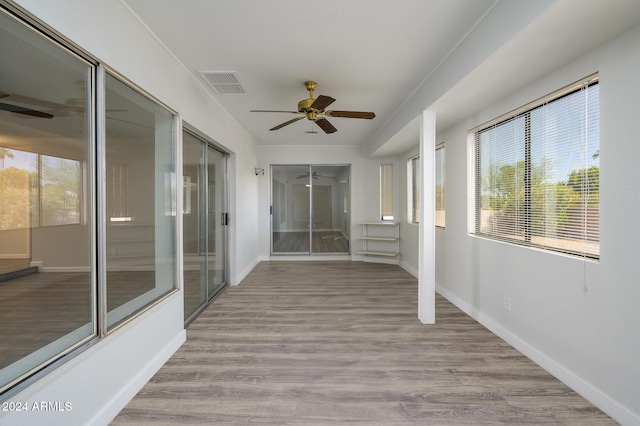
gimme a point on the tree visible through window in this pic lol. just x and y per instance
(537, 175)
(38, 190)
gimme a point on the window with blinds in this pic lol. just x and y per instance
(386, 191)
(440, 185)
(537, 173)
(413, 189)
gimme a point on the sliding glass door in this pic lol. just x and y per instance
(310, 209)
(204, 223)
(216, 220)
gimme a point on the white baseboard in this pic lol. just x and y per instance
(592, 394)
(118, 402)
(410, 269)
(307, 258)
(374, 259)
(63, 268)
(242, 275)
(123, 268)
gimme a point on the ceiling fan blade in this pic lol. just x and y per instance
(324, 124)
(286, 123)
(322, 102)
(351, 114)
(25, 111)
(269, 110)
(34, 101)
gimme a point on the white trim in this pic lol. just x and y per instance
(410, 269)
(618, 412)
(63, 269)
(306, 257)
(370, 259)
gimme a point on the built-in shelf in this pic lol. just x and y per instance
(380, 239)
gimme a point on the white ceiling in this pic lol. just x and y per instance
(371, 55)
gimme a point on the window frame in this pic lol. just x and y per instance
(475, 178)
(105, 324)
(88, 209)
(413, 188)
(93, 202)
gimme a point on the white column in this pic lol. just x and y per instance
(426, 246)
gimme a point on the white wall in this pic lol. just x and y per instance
(365, 184)
(588, 339)
(101, 380)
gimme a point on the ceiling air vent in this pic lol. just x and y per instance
(224, 81)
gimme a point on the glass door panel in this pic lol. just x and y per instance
(330, 209)
(204, 223)
(291, 190)
(216, 217)
(194, 246)
(310, 209)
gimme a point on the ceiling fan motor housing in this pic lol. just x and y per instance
(305, 105)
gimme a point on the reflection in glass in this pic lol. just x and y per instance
(216, 209)
(45, 311)
(311, 212)
(141, 247)
(203, 223)
(195, 265)
(291, 186)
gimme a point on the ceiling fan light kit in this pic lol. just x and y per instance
(314, 110)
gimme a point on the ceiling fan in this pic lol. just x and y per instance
(17, 109)
(314, 110)
(314, 175)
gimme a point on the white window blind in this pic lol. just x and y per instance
(386, 191)
(440, 187)
(413, 193)
(537, 173)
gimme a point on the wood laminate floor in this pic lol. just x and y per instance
(300, 343)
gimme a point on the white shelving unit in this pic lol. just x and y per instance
(380, 239)
(130, 240)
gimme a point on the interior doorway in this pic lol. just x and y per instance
(310, 209)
